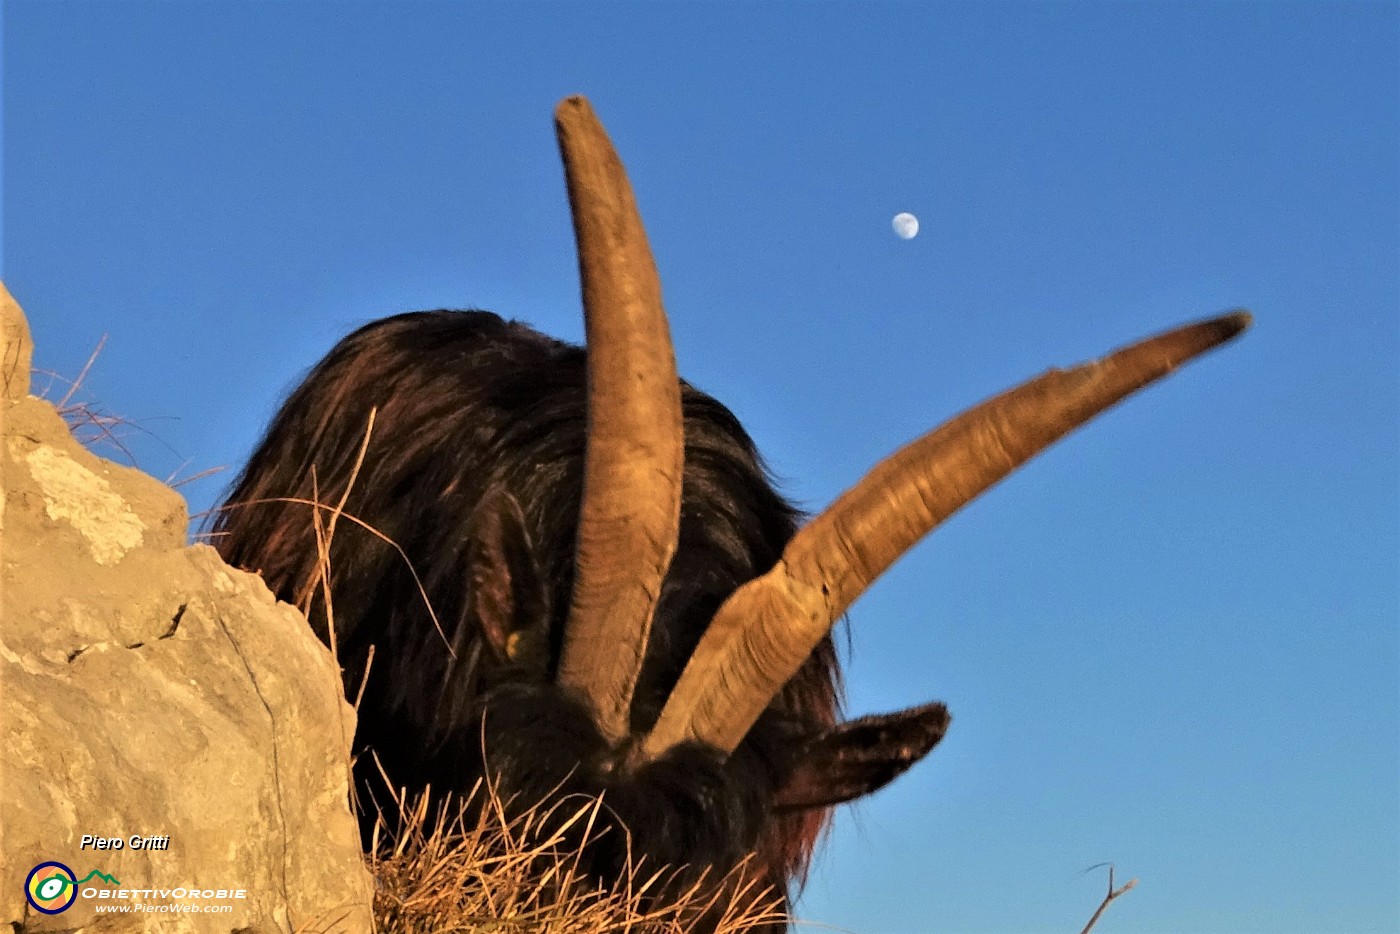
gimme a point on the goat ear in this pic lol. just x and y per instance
(860, 756)
(506, 594)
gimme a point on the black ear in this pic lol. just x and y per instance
(506, 593)
(502, 630)
(860, 756)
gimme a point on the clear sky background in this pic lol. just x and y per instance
(1171, 642)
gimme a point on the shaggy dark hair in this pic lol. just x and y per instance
(474, 466)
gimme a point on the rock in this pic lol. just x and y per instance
(151, 695)
(16, 348)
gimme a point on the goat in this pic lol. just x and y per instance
(625, 608)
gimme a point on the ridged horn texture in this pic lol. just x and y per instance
(764, 631)
(629, 519)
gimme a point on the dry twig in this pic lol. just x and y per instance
(1112, 894)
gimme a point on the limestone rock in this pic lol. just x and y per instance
(147, 690)
(16, 348)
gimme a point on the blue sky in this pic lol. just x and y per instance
(1170, 642)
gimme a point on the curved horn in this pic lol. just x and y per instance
(629, 519)
(764, 631)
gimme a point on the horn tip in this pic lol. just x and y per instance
(1212, 332)
(573, 107)
(1235, 322)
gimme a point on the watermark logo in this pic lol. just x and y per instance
(52, 887)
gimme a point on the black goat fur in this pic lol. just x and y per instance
(474, 468)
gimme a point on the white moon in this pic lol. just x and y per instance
(906, 226)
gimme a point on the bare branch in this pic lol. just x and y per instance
(1112, 894)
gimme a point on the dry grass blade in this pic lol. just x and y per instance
(174, 483)
(325, 532)
(418, 581)
(82, 375)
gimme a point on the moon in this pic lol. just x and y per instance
(906, 225)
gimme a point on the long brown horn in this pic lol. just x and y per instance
(765, 630)
(630, 515)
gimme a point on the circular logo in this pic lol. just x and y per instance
(51, 887)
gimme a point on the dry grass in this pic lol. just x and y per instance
(93, 428)
(471, 867)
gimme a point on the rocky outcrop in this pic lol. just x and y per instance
(153, 696)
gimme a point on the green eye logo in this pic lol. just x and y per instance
(51, 888)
